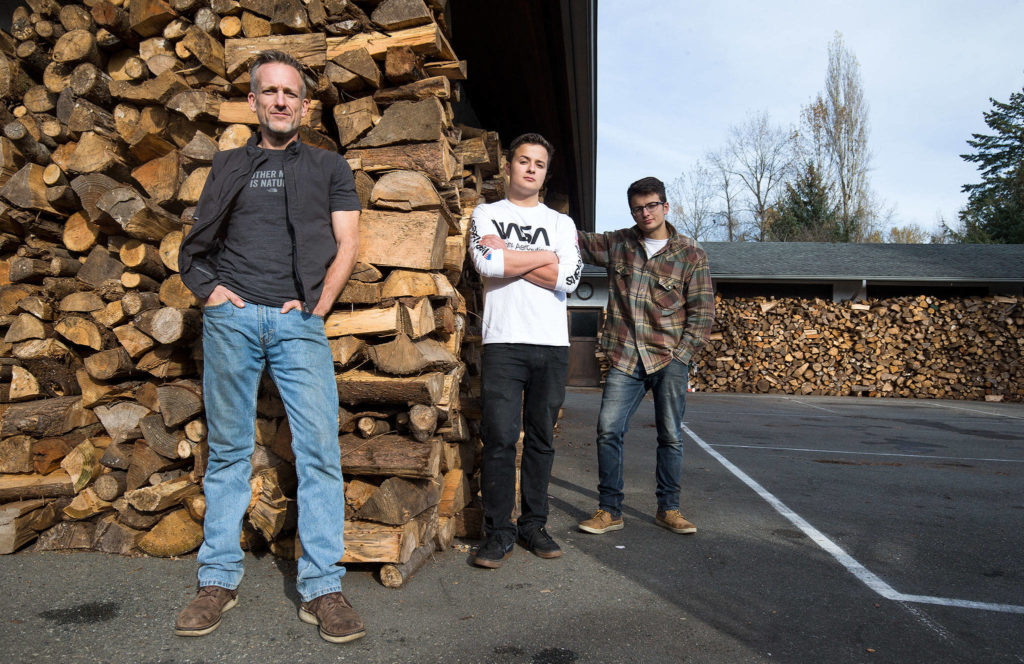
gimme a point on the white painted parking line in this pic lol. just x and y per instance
(810, 405)
(885, 454)
(866, 576)
(972, 410)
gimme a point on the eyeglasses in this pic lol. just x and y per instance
(650, 207)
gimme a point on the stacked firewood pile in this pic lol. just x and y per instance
(111, 115)
(964, 348)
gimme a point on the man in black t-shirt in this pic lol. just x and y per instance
(274, 241)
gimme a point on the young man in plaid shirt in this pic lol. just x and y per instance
(660, 309)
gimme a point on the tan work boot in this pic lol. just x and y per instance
(675, 522)
(337, 620)
(202, 615)
(601, 522)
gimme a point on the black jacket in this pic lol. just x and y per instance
(307, 171)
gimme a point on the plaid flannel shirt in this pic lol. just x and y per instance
(659, 308)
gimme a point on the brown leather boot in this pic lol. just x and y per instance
(338, 621)
(202, 615)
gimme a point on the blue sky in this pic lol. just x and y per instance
(675, 75)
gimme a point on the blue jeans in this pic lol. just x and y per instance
(237, 345)
(621, 397)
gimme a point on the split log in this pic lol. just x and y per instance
(67, 535)
(16, 454)
(377, 543)
(21, 487)
(398, 500)
(405, 191)
(180, 402)
(417, 317)
(144, 462)
(117, 456)
(162, 496)
(22, 521)
(166, 362)
(379, 320)
(86, 505)
(426, 40)
(138, 216)
(82, 465)
(80, 331)
(121, 420)
(309, 49)
(176, 534)
(112, 536)
(402, 65)
(402, 239)
(161, 439)
(455, 493)
(357, 386)
(407, 122)
(347, 350)
(45, 417)
(26, 189)
(435, 160)
(390, 455)
(398, 14)
(134, 342)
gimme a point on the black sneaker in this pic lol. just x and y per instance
(492, 553)
(539, 543)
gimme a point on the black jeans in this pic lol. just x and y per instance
(522, 383)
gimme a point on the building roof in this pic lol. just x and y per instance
(817, 261)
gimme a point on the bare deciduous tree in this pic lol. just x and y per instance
(691, 203)
(764, 155)
(722, 170)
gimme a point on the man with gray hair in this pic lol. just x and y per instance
(274, 241)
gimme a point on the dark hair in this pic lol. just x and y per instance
(531, 139)
(272, 55)
(646, 186)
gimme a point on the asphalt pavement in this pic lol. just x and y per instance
(829, 530)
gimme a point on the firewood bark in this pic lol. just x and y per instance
(45, 417)
(22, 521)
(390, 455)
(398, 500)
(137, 216)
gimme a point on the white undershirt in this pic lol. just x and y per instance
(654, 246)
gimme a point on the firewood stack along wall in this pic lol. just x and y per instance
(111, 115)
(960, 348)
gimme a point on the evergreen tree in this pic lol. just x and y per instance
(808, 212)
(995, 206)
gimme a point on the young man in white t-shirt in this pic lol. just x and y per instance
(529, 259)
